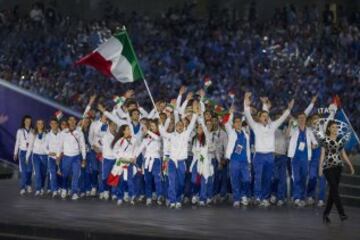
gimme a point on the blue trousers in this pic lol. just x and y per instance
(314, 179)
(107, 166)
(93, 168)
(71, 167)
(40, 170)
(176, 180)
(188, 188)
(53, 169)
(195, 186)
(240, 178)
(223, 180)
(263, 170)
(128, 185)
(25, 170)
(279, 180)
(206, 188)
(299, 174)
(139, 182)
(153, 178)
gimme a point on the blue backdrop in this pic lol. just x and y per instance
(15, 103)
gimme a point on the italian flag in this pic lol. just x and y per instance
(115, 58)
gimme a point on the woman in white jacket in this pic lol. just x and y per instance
(201, 163)
(124, 147)
(37, 153)
(152, 161)
(178, 154)
(21, 147)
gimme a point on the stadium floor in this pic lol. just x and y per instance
(43, 218)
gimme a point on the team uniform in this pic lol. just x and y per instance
(177, 165)
(264, 154)
(73, 151)
(22, 145)
(52, 145)
(238, 152)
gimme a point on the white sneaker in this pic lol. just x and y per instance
(273, 199)
(186, 200)
(48, 191)
(93, 192)
(88, 193)
(132, 201)
(29, 189)
(172, 205)
(42, 192)
(208, 201)
(126, 197)
(106, 195)
(74, 197)
(310, 201)
(194, 199)
(54, 194)
(321, 203)
(302, 203)
(167, 202)
(202, 204)
(114, 197)
(82, 195)
(63, 193)
(154, 196)
(160, 201)
(37, 193)
(22, 192)
(236, 204)
(178, 205)
(280, 203)
(141, 198)
(265, 203)
(244, 201)
(101, 196)
(119, 202)
(297, 203)
(257, 201)
(148, 201)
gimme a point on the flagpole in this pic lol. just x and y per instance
(150, 95)
(141, 73)
(351, 127)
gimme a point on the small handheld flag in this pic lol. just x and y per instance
(59, 115)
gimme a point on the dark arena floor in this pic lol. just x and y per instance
(44, 218)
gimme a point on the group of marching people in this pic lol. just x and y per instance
(182, 151)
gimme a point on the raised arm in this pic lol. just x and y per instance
(309, 108)
(82, 146)
(284, 116)
(179, 98)
(118, 121)
(228, 124)
(247, 112)
(185, 103)
(191, 126)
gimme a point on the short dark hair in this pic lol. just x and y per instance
(133, 110)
